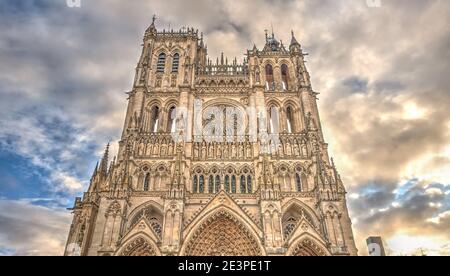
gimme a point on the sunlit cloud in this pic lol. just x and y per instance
(383, 98)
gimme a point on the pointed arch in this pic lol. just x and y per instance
(195, 184)
(146, 186)
(171, 119)
(227, 183)
(270, 80)
(222, 232)
(307, 245)
(211, 184)
(290, 120)
(285, 76)
(151, 215)
(154, 118)
(293, 212)
(175, 62)
(274, 119)
(141, 245)
(201, 184)
(161, 64)
(233, 184)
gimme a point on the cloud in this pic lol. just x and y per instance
(411, 209)
(382, 74)
(26, 229)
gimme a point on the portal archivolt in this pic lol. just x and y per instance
(139, 247)
(307, 248)
(223, 235)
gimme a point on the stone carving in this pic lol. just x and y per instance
(166, 175)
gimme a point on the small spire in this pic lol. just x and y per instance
(95, 171)
(267, 36)
(201, 39)
(104, 162)
(273, 34)
(111, 165)
(152, 29)
(293, 39)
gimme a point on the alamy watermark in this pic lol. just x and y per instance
(73, 3)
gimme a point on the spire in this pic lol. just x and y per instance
(95, 172)
(104, 162)
(113, 162)
(152, 29)
(336, 174)
(293, 39)
(111, 166)
(201, 40)
(273, 34)
(319, 170)
(295, 46)
(272, 43)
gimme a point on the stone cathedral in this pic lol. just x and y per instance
(260, 184)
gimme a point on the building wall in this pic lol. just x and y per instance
(148, 200)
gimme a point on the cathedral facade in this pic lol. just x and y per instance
(216, 158)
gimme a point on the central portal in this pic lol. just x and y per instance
(223, 235)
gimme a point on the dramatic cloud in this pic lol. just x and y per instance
(382, 74)
(32, 230)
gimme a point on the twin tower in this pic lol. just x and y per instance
(216, 158)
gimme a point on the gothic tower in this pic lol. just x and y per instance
(216, 158)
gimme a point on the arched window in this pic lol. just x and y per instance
(217, 184)
(305, 187)
(175, 63)
(285, 76)
(195, 184)
(161, 65)
(273, 120)
(147, 182)
(270, 82)
(201, 184)
(243, 185)
(249, 184)
(154, 119)
(211, 184)
(171, 125)
(233, 184)
(289, 226)
(289, 120)
(298, 182)
(227, 183)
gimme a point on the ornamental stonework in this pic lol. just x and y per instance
(216, 158)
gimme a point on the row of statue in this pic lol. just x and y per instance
(156, 148)
(213, 150)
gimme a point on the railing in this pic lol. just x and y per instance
(223, 70)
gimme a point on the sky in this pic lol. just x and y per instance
(381, 71)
